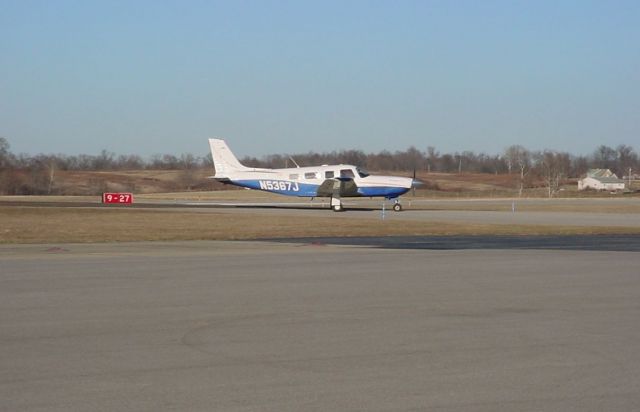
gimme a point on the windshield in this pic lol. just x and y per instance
(362, 172)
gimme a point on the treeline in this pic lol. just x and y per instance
(26, 174)
(104, 161)
(515, 157)
(529, 167)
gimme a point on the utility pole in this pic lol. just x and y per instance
(629, 179)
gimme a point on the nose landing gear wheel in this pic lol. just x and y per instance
(397, 207)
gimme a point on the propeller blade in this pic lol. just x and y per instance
(413, 186)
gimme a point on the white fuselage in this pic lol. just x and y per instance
(333, 181)
(310, 181)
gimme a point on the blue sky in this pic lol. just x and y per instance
(151, 77)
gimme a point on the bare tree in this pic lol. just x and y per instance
(604, 157)
(518, 156)
(5, 164)
(580, 165)
(411, 159)
(52, 171)
(103, 161)
(511, 156)
(5, 154)
(553, 167)
(381, 161)
(626, 159)
(432, 158)
(129, 162)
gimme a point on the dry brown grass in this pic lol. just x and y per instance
(80, 182)
(74, 225)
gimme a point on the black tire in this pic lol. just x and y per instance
(397, 207)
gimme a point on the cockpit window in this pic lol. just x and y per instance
(346, 173)
(362, 172)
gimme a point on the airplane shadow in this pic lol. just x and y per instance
(622, 243)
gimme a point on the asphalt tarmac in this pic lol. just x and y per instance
(253, 326)
(428, 210)
(613, 243)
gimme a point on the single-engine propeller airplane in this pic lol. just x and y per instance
(333, 181)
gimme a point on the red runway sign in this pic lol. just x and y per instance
(123, 198)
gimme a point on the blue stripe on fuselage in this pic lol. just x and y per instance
(283, 187)
(293, 188)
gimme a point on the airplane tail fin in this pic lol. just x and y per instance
(224, 160)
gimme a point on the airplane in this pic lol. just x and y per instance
(332, 181)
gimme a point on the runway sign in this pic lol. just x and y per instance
(122, 198)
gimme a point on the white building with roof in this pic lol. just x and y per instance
(601, 179)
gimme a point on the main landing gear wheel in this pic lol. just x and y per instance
(397, 207)
(336, 205)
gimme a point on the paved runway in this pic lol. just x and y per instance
(246, 326)
(613, 243)
(526, 218)
(429, 210)
(584, 219)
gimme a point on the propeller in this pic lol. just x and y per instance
(415, 182)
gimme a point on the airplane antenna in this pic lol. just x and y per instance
(294, 162)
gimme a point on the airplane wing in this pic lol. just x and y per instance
(338, 187)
